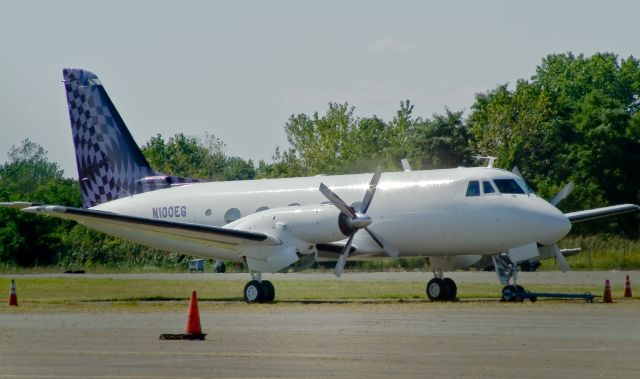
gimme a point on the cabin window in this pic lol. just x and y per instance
(508, 186)
(473, 189)
(263, 208)
(207, 212)
(231, 215)
(487, 187)
(294, 204)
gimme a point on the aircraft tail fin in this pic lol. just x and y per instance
(110, 163)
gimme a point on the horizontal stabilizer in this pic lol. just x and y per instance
(592, 214)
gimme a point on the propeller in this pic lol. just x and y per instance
(564, 192)
(562, 261)
(561, 195)
(353, 219)
(516, 171)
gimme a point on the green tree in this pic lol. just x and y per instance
(237, 168)
(442, 142)
(286, 164)
(191, 156)
(576, 118)
(28, 175)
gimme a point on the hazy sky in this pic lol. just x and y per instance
(239, 69)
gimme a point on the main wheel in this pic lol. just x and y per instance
(436, 289)
(253, 292)
(221, 268)
(509, 293)
(269, 291)
(450, 288)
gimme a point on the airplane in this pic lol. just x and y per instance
(273, 225)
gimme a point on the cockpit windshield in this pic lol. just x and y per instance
(508, 186)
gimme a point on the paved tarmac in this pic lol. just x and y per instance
(543, 277)
(469, 339)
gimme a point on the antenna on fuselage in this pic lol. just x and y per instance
(489, 158)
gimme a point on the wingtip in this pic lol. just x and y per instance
(16, 204)
(45, 209)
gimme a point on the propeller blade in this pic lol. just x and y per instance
(389, 249)
(337, 201)
(562, 261)
(405, 165)
(368, 196)
(516, 171)
(342, 260)
(564, 192)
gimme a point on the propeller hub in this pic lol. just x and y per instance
(360, 221)
(350, 225)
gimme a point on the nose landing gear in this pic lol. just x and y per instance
(513, 293)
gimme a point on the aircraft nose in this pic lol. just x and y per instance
(551, 224)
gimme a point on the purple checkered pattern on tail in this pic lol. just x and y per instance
(110, 164)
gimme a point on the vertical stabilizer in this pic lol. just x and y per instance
(110, 164)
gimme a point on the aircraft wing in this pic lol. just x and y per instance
(123, 225)
(17, 205)
(592, 214)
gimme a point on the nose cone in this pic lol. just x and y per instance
(549, 223)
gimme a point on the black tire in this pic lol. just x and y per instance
(269, 291)
(520, 290)
(253, 292)
(221, 268)
(450, 288)
(436, 290)
(509, 293)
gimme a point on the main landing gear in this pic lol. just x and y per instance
(258, 290)
(441, 289)
(220, 267)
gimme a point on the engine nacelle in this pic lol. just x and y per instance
(312, 223)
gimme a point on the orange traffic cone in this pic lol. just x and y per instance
(627, 288)
(193, 317)
(607, 293)
(193, 330)
(13, 298)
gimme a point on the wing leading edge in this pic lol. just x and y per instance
(592, 214)
(138, 228)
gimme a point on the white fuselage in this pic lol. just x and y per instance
(420, 213)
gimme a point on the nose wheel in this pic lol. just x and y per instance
(441, 289)
(512, 293)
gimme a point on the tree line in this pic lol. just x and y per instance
(577, 118)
